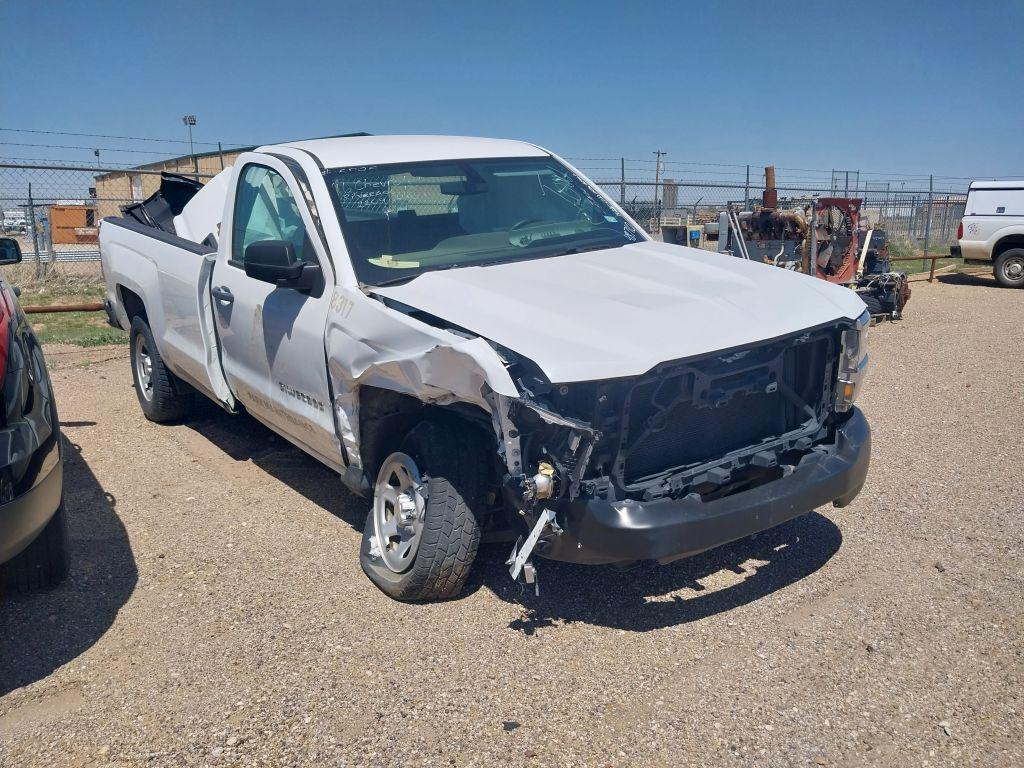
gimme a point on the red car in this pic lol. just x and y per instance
(33, 526)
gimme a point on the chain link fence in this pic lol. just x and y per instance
(914, 215)
(54, 210)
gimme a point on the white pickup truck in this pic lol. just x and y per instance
(476, 337)
(992, 229)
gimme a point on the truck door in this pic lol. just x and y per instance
(272, 338)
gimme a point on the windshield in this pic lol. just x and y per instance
(402, 220)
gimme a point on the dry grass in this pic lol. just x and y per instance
(65, 283)
(69, 278)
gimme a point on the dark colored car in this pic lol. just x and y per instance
(33, 527)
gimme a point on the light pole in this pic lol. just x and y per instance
(190, 120)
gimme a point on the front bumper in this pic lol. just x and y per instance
(600, 532)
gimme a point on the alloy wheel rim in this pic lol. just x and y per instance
(399, 503)
(144, 367)
(1013, 269)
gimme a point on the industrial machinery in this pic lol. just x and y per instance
(884, 291)
(820, 236)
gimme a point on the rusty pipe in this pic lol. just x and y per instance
(95, 306)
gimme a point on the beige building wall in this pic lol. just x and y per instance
(120, 188)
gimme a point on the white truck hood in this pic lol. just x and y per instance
(619, 312)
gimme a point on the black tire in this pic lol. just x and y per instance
(873, 304)
(450, 460)
(43, 564)
(166, 398)
(1009, 268)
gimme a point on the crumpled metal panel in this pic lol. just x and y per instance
(369, 344)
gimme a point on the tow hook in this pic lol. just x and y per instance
(519, 561)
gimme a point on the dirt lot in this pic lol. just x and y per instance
(216, 613)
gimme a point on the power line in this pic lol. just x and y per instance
(664, 163)
(826, 172)
(68, 146)
(104, 136)
(87, 165)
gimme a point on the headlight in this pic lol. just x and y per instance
(853, 363)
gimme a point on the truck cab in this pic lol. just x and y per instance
(992, 229)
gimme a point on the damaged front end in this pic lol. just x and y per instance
(690, 455)
(637, 468)
(546, 455)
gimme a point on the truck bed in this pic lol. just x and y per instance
(175, 275)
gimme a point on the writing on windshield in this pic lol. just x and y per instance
(402, 220)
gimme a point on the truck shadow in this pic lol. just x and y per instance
(41, 631)
(243, 438)
(986, 280)
(644, 598)
(651, 596)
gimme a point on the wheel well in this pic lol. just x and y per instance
(132, 303)
(1008, 242)
(385, 418)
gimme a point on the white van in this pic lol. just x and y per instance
(992, 229)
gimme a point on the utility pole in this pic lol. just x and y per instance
(190, 120)
(97, 153)
(657, 178)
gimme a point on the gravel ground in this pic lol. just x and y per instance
(216, 613)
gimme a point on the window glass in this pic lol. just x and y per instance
(402, 220)
(265, 209)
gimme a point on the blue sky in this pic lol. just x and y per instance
(884, 87)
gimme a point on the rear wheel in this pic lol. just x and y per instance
(162, 395)
(43, 563)
(1009, 268)
(421, 535)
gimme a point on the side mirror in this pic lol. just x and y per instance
(10, 251)
(273, 261)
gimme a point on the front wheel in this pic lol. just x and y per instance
(421, 535)
(1009, 268)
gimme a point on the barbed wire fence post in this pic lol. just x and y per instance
(622, 182)
(32, 225)
(657, 167)
(51, 254)
(928, 229)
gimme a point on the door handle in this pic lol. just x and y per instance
(223, 295)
